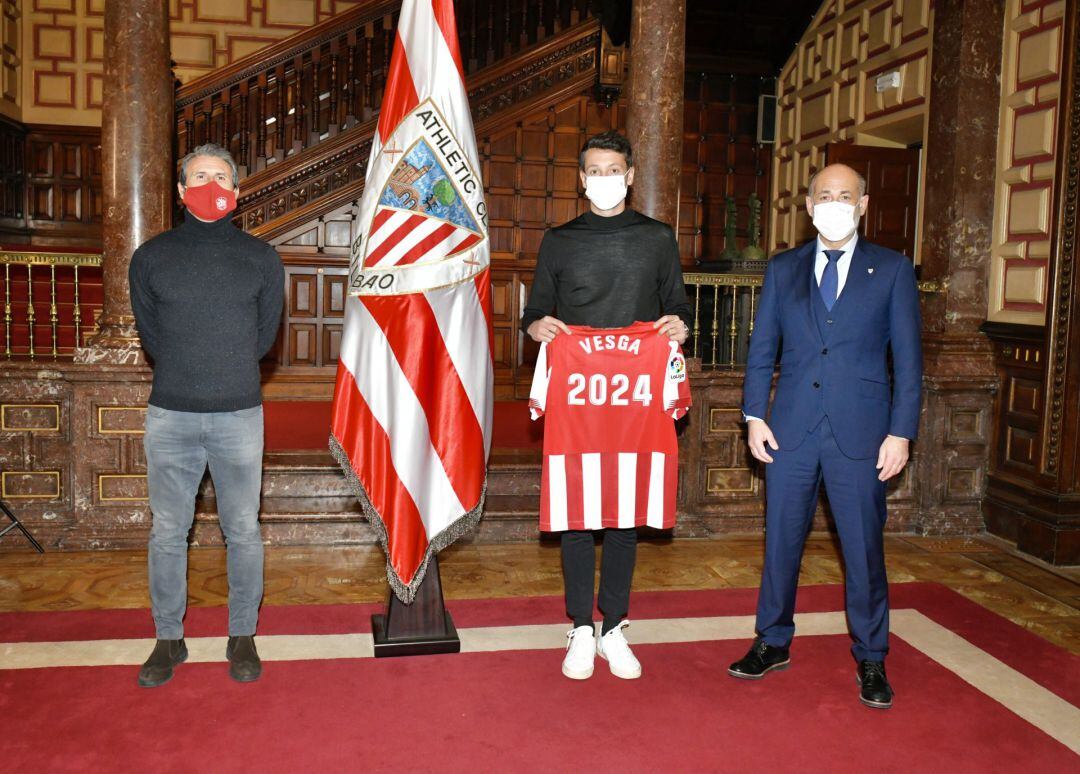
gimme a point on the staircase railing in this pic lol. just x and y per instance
(307, 186)
(307, 88)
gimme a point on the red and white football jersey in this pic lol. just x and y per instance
(610, 453)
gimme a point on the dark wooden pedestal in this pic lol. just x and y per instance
(420, 629)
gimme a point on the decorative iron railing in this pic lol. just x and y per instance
(724, 306)
(51, 301)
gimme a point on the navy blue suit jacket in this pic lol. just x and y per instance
(838, 368)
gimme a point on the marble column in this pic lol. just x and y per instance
(137, 161)
(654, 120)
(958, 214)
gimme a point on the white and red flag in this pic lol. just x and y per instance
(413, 399)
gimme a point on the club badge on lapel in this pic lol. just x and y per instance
(870, 270)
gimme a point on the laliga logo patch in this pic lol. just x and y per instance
(220, 203)
(677, 369)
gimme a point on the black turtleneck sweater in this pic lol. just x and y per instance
(608, 272)
(207, 300)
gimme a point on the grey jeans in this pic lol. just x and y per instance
(179, 445)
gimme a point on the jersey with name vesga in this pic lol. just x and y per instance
(610, 452)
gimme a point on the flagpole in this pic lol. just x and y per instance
(422, 628)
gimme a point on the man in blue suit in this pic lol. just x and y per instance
(834, 308)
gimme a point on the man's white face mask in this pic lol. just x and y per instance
(835, 221)
(605, 191)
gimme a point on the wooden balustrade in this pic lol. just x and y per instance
(307, 88)
(51, 302)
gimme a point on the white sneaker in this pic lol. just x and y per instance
(580, 653)
(614, 648)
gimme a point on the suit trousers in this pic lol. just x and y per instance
(857, 501)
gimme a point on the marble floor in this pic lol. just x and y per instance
(1042, 598)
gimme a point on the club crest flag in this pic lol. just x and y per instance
(413, 399)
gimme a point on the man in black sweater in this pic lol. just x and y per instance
(607, 268)
(207, 300)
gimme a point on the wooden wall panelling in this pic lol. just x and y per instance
(1033, 496)
(314, 312)
(1031, 85)
(827, 94)
(11, 50)
(12, 182)
(63, 185)
(721, 158)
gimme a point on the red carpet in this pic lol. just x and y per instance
(306, 425)
(512, 711)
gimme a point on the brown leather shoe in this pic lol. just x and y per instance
(158, 669)
(244, 663)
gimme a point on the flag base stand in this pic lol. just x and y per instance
(420, 629)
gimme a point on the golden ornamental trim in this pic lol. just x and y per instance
(101, 420)
(724, 280)
(9, 496)
(5, 407)
(101, 491)
(38, 258)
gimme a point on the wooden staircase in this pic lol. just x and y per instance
(299, 115)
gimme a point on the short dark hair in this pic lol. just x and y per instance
(610, 141)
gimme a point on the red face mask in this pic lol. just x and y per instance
(210, 201)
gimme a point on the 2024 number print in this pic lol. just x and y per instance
(601, 392)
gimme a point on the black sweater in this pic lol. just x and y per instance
(207, 300)
(608, 272)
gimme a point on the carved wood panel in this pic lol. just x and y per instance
(63, 185)
(12, 178)
(314, 313)
(721, 158)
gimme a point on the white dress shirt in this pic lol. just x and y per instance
(842, 266)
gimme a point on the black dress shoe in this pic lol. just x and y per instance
(761, 659)
(874, 690)
(158, 669)
(244, 663)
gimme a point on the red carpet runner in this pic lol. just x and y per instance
(512, 711)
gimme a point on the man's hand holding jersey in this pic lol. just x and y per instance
(547, 328)
(672, 326)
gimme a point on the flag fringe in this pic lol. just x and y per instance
(406, 592)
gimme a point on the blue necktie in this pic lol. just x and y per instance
(830, 278)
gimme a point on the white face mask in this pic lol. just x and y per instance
(835, 221)
(605, 191)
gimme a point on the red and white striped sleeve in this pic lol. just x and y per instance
(676, 383)
(538, 392)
